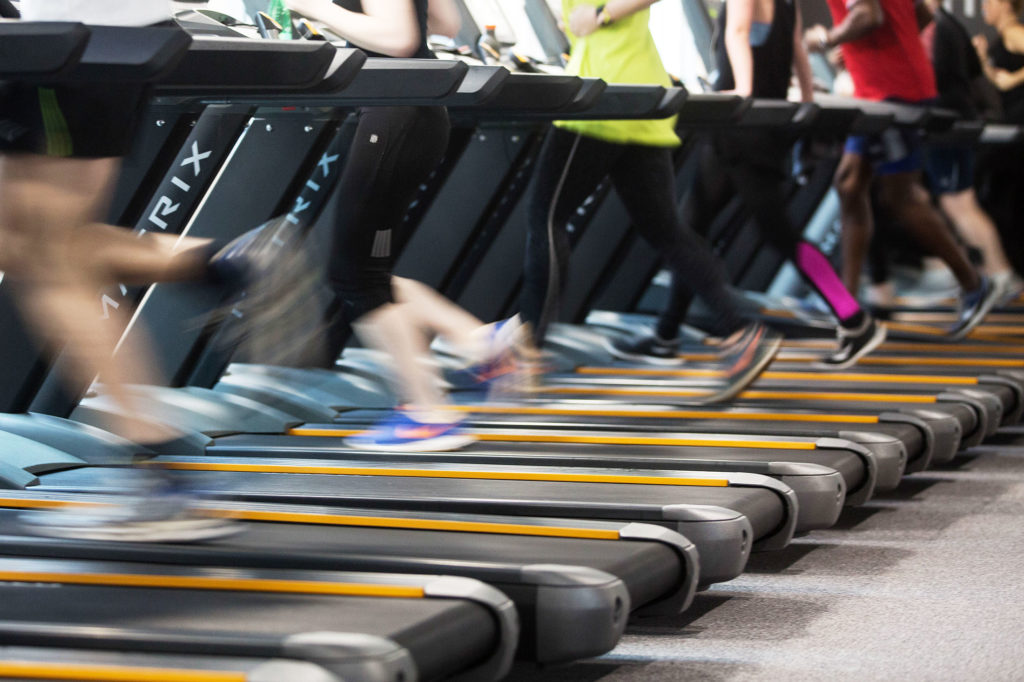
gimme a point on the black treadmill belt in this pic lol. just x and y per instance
(762, 507)
(649, 570)
(576, 454)
(469, 631)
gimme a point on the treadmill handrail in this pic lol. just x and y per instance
(40, 49)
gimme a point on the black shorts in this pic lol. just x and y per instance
(79, 120)
(950, 170)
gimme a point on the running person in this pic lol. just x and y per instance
(60, 150)
(613, 42)
(950, 168)
(758, 45)
(883, 53)
(393, 151)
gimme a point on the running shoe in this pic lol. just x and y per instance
(502, 372)
(166, 514)
(647, 348)
(974, 306)
(746, 358)
(400, 432)
(855, 344)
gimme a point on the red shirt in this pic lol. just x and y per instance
(889, 62)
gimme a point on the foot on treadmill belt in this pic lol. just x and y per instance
(974, 306)
(855, 344)
(164, 514)
(400, 432)
(649, 348)
(746, 358)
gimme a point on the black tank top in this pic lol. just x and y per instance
(773, 57)
(1002, 58)
(423, 52)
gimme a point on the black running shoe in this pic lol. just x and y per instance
(974, 306)
(747, 357)
(855, 344)
(647, 348)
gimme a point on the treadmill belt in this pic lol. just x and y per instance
(620, 502)
(650, 570)
(467, 629)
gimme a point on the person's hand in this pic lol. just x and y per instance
(980, 43)
(816, 39)
(1003, 79)
(584, 20)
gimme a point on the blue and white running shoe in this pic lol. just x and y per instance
(400, 432)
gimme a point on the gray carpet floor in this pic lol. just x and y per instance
(926, 583)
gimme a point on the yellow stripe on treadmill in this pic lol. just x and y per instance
(422, 524)
(750, 395)
(32, 670)
(796, 376)
(31, 503)
(541, 437)
(889, 361)
(364, 521)
(662, 414)
(427, 473)
(182, 582)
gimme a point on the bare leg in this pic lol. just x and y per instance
(392, 328)
(853, 182)
(977, 228)
(907, 201)
(440, 317)
(46, 207)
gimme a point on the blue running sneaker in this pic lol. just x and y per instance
(501, 373)
(400, 432)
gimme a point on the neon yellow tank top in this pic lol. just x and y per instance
(623, 52)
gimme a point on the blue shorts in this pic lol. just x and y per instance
(894, 150)
(949, 169)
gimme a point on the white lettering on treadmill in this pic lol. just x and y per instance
(181, 184)
(312, 185)
(164, 207)
(326, 161)
(301, 205)
(196, 158)
(108, 303)
(373, 139)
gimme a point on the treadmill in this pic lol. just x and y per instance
(356, 626)
(352, 626)
(545, 582)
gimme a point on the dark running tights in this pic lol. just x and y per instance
(393, 151)
(753, 164)
(569, 169)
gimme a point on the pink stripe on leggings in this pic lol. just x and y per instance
(816, 268)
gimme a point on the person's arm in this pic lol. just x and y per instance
(443, 18)
(586, 19)
(863, 17)
(739, 17)
(1008, 80)
(924, 15)
(801, 64)
(385, 26)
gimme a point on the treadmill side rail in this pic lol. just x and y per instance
(679, 600)
(354, 655)
(724, 536)
(502, 609)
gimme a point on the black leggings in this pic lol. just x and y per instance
(753, 164)
(393, 151)
(570, 168)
